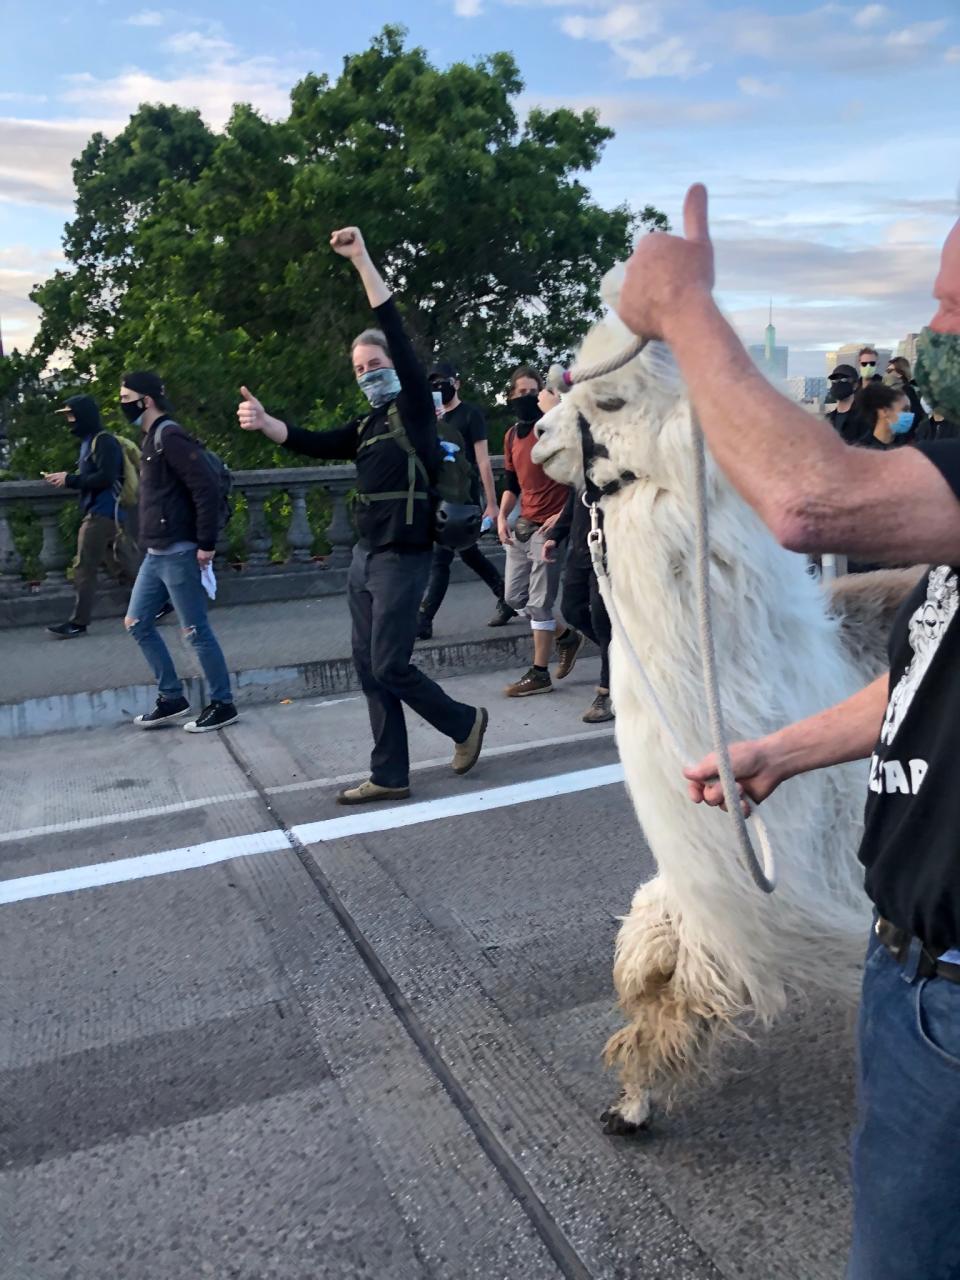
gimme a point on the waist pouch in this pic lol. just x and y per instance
(525, 529)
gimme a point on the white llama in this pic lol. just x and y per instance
(702, 949)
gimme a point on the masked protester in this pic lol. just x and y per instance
(469, 422)
(868, 362)
(397, 452)
(843, 415)
(533, 580)
(899, 376)
(103, 539)
(180, 516)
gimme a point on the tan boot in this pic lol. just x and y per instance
(367, 792)
(532, 682)
(467, 753)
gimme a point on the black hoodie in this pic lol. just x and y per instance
(99, 473)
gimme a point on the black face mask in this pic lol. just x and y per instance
(527, 409)
(77, 429)
(841, 389)
(447, 391)
(133, 409)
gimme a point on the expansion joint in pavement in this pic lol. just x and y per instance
(569, 1262)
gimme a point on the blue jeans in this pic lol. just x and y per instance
(906, 1148)
(176, 576)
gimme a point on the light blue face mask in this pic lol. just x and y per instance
(379, 386)
(902, 424)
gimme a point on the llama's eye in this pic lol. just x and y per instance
(612, 405)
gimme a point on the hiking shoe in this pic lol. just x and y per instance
(467, 753)
(216, 716)
(164, 612)
(533, 682)
(67, 630)
(369, 791)
(424, 627)
(165, 712)
(599, 710)
(502, 615)
(568, 650)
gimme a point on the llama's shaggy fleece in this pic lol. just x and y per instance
(702, 951)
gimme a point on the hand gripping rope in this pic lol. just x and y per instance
(762, 869)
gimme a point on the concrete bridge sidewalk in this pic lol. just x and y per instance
(275, 650)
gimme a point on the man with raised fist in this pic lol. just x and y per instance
(397, 452)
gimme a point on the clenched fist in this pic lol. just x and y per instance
(666, 274)
(251, 412)
(348, 242)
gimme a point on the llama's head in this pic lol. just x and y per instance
(629, 426)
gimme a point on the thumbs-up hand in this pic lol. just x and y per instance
(251, 412)
(667, 274)
(348, 242)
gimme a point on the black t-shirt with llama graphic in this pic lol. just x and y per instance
(911, 839)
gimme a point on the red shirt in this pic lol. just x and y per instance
(540, 497)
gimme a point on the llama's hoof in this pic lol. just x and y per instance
(617, 1125)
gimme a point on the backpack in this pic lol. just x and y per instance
(454, 480)
(127, 491)
(218, 469)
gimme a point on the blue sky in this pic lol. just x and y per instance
(829, 134)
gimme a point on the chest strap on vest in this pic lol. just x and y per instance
(414, 467)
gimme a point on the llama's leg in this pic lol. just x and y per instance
(676, 1005)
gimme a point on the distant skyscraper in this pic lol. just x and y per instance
(908, 347)
(771, 358)
(807, 390)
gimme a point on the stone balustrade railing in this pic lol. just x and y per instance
(263, 577)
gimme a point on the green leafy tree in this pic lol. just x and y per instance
(206, 256)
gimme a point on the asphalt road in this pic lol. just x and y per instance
(247, 1034)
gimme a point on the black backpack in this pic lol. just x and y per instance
(218, 469)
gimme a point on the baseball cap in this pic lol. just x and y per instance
(146, 383)
(443, 369)
(844, 371)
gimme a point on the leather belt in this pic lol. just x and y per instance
(898, 942)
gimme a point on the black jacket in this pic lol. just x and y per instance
(99, 472)
(383, 468)
(179, 495)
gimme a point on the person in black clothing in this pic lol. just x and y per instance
(102, 538)
(179, 521)
(470, 422)
(581, 603)
(887, 417)
(938, 427)
(843, 417)
(397, 452)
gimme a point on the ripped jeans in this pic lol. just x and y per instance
(176, 576)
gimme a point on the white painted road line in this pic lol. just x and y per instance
(100, 874)
(308, 784)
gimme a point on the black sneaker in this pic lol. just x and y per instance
(165, 712)
(67, 630)
(503, 615)
(217, 716)
(424, 627)
(164, 612)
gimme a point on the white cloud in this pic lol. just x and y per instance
(917, 36)
(21, 269)
(146, 18)
(467, 8)
(623, 22)
(870, 15)
(35, 158)
(196, 43)
(754, 87)
(953, 53)
(671, 57)
(664, 113)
